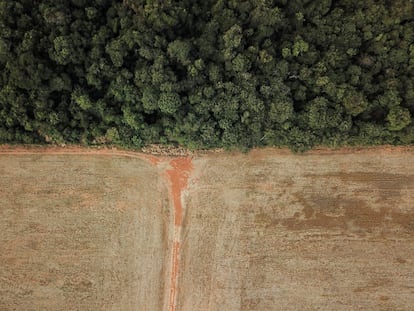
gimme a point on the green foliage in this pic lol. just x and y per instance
(62, 50)
(116, 51)
(355, 103)
(208, 73)
(398, 118)
(169, 102)
(82, 99)
(299, 47)
(320, 115)
(180, 50)
(112, 135)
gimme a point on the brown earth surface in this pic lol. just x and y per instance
(322, 231)
(104, 229)
(82, 232)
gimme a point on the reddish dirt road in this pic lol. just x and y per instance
(178, 176)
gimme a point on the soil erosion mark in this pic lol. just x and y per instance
(178, 175)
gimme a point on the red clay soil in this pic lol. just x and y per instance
(178, 175)
(174, 276)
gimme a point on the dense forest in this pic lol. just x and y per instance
(207, 73)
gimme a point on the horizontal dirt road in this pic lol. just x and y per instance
(89, 229)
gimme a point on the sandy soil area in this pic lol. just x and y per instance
(322, 231)
(104, 229)
(82, 232)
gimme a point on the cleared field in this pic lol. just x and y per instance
(274, 231)
(82, 232)
(89, 229)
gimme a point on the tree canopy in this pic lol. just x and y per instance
(211, 73)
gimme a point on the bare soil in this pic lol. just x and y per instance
(82, 232)
(105, 229)
(321, 231)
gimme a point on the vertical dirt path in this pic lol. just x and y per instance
(178, 176)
